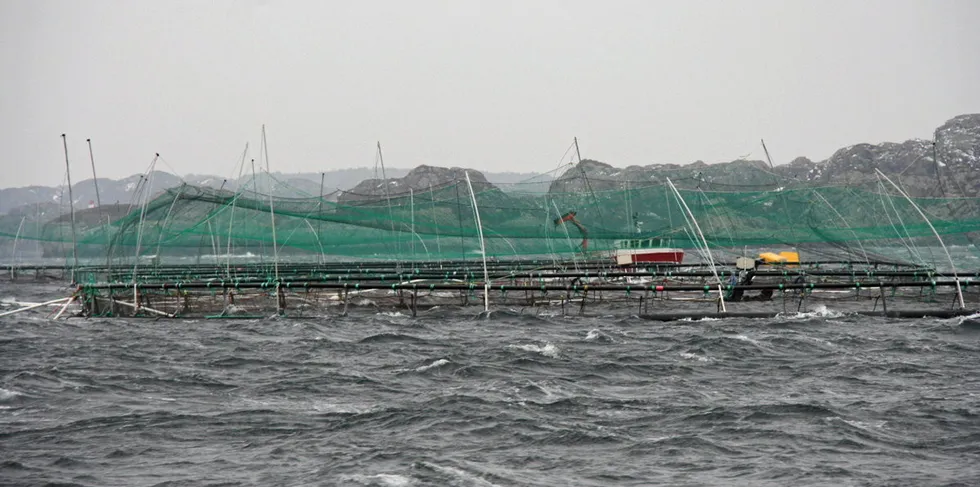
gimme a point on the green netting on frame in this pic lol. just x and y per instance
(439, 223)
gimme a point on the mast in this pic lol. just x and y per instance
(71, 206)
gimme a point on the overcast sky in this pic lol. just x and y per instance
(489, 85)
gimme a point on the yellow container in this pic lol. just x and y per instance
(772, 258)
(791, 257)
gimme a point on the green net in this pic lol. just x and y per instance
(593, 217)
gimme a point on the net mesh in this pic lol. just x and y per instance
(579, 217)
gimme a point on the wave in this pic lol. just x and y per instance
(391, 337)
(548, 350)
(697, 357)
(596, 335)
(379, 480)
(7, 395)
(453, 476)
(433, 365)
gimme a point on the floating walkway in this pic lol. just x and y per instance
(663, 292)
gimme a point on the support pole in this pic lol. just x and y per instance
(33, 306)
(721, 294)
(98, 202)
(71, 206)
(411, 202)
(147, 190)
(95, 179)
(956, 278)
(272, 208)
(319, 217)
(65, 307)
(13, 252)
(384, 183)
(435, 223)
(483, 248)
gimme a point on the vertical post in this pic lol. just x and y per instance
(239, 191)
(71, 206)
(411, 203)
(884, 302)
(952, 266)
(95, 179)
(37, 241)
(272, 209)
(319, 217)
(384, 184)
(483, 248)
(13, 252)
(435, 224)
(459, 216)
(98, 202)
(255, 192)
(147, 190)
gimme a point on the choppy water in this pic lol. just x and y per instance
(450, 399)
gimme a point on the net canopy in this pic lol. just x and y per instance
(440, 222)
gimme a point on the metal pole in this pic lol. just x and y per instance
(956, 278)
(483, 248)
(71, 206)
(272, 208)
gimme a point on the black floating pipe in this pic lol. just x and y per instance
(515, 287)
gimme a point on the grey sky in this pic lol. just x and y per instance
(490, 85)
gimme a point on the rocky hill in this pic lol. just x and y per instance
(420, 179)
(951, 167)
(40, 199)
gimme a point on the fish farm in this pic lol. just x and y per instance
(662, 250)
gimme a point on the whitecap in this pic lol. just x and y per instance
(596, 335)
(8, 395)
(548, 350)
(381, 479)
(694, 356)
(860, 424)
(468, 478)
(437, 363)
(819, 311)
(747, 339)
(974, 316)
